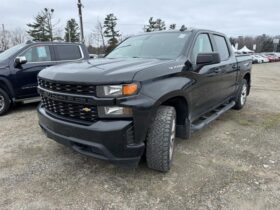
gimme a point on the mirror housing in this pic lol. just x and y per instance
(204, 59)
(20, 60)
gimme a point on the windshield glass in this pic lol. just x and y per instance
(7, 53)
(159, 46)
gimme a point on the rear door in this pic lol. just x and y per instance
(227, 68)
(68, 52)
(38, 57)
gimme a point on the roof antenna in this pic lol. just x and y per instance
(183, 28)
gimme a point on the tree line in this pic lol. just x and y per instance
(264, 43)
(105, 37)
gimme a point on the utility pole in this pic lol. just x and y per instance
(81, 21)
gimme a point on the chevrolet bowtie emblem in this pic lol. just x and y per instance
(86, 109)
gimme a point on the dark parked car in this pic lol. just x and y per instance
(20, 65)
(148, 90)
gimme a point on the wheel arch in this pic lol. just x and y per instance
(247, 77)
(181, 105)
(6, 86)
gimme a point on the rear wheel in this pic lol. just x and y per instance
(5, 102)
(242, 95)
(160, 139)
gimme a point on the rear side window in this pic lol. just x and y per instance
(222, 47)
(202, 45)
(37, 54)
(68, 52)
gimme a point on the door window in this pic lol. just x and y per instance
(68, 52)
(202, 45)
(37, 54)
(222, 47)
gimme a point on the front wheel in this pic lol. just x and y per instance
(5, 102)
(160, 139)
(242, 95)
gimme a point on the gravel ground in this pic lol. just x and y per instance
(232, 164)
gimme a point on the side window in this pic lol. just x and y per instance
(202, 45)
(37, 54)
(68, 52)
(222, 47)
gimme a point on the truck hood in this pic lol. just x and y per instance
(100, 71)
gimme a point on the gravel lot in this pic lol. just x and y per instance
(232, 164)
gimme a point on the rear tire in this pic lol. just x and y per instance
(5, 102)
(160, 139)
(242, 95)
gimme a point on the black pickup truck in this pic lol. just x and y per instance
(20, 65)
(152, 88)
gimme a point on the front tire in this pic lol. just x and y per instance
(242, 95)
(160, 139)
(5, 102)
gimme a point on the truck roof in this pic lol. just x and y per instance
(30, 42)
(194, 30)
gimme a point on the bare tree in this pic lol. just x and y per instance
(100, 32)
(18, 36)
(88, 39)
(4, 39)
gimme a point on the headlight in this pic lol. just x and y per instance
(117, 90)
(114, 112)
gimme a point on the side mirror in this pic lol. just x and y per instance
(20, 60)
(204, 59)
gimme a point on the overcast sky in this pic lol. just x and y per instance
(233, 17)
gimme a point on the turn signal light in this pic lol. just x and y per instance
(129, 89)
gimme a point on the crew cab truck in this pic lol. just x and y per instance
(20, 65)
(150, 89)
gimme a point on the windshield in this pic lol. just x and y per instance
(7, 53)
(159, 46)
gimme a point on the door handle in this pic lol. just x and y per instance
(217, 70)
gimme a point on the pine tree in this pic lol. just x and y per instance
(71, 31)
(42, 28)
(172, 26)
(183, 28)
(155, 25)
(110, 31)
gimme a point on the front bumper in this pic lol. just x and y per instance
(106, 140)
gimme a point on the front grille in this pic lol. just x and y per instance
(77, 112)
(67, 88)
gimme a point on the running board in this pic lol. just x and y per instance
(28, 100)
(205, 120)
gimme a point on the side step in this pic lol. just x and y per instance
(28, 100)
(206, 119)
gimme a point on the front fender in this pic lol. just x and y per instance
(8, 86)
(151, 96)
(167, 88)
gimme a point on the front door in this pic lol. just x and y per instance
(206, 91)
(38, 57)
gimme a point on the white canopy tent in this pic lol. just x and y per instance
(245, 50)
